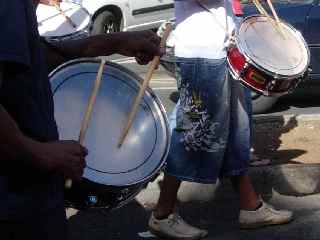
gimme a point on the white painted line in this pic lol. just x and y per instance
(163, 82)
(164, 88)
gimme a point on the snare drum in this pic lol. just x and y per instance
(54, 26)
(268, 61)
(113, 175)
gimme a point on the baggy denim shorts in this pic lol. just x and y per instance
(210, 125)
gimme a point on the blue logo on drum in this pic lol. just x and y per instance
(93, 200)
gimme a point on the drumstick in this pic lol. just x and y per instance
(63, 14)
(275, 15)
(264, 12)
(261, 9)
(87, 116)
(154, 64)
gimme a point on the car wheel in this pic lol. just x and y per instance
(106, 22)
(261, 103)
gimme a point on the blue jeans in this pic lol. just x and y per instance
(211, 127)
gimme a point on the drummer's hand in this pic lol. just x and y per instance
(143, 45)
(66, 157)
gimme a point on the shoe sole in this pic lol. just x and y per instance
(165, 236)
(263, 224)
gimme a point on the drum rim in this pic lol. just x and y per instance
(164, 114)
(76, 33)
(240, 46)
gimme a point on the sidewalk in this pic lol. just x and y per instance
(293, 145)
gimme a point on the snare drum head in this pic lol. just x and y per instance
(146, 145)
(51, 23)
(280, 54)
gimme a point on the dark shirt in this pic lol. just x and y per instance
(26, 95)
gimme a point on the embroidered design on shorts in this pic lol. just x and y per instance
(193, 120)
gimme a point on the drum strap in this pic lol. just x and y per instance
(54, 48)
(226, 28)
(205, 7)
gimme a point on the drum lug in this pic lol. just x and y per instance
(269, 87)
(123, 194)
(244, 70)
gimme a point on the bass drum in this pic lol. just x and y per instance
(113, 175)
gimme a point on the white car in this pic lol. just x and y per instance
(126, 15)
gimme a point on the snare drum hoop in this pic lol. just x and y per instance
(77, 34)
(154, 97)
(267, 71)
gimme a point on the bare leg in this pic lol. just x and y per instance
(249, 199)
(168, 197)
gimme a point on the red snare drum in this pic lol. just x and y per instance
(267, 61)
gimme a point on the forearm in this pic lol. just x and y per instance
(141, 44)
(98, 45)
(13, 143)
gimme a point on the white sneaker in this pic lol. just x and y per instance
(174, 227)
(264, 216)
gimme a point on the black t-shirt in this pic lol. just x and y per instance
(26, 95)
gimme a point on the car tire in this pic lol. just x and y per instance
(106, 22)
(261, 103)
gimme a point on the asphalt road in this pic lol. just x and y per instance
(303, 101)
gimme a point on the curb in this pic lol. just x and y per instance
(262, 118)
(287, 179)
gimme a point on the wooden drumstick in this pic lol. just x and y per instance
(154, 64)
(275, 15)
(87, 116)
(262, 11)
(57, 6)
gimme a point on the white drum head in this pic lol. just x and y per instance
(51, 23)
(284, 54)
(146, 146)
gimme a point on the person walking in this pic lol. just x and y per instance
(211, 137)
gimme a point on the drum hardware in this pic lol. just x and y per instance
(124, 194)
(153, 66)
(243, 71)
(113, 176)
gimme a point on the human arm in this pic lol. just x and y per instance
(143, 45)
(66, 157)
